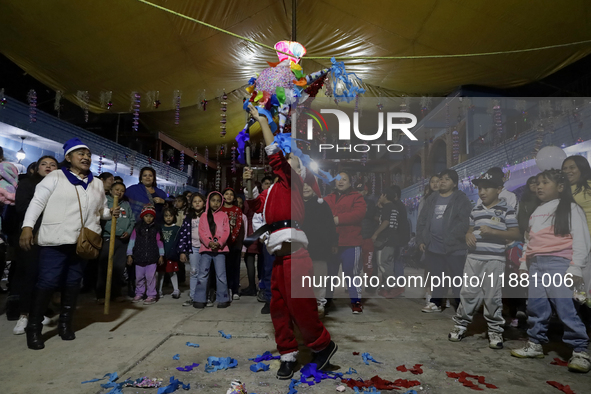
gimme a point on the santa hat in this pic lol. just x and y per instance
(310, 179)
(73, 144)
(148, 209)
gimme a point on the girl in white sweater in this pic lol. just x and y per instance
(555, 253)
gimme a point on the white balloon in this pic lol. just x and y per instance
(550, 157)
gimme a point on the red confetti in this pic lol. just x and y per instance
(416, 370)
(463, 378)
(564, 388)
(356, 353)
(381, 384)
(559, 362)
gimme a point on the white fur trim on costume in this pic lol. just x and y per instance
(287, 234)
(302, 171)
(320, 200)
(76, 147)
(255, 193)
(272, 149)
(290, 356)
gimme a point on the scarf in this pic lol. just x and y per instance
(74, 180)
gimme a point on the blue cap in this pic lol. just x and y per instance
(73, 144)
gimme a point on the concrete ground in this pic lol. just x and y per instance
(136, 340)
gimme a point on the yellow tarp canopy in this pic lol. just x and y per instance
(125, 45)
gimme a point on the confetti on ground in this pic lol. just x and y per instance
(173, 386)
(559, 362)
(463, 378)
(259, 367)
(416, 370)
(175, 357)
(219, 363)
(267, 356)
(187, 368)
(381, 384)
(227, 336)
(145, 382)
(564, 388)
(367, 358)
(191, 344)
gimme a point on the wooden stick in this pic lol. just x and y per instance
(248, 181)
(111, 252)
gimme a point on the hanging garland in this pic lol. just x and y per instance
(182, 161)
(177, 106)
(262, 154)
(223, 110)
(206, 158)
(135, 107)
(105, 99)
(131, 165)
(84, 99)
(373, 183)
(100, 163)
(455, 137)
(233, 160)
(153, 99)
(57, 105)
(115, 161)
(2, 99)
(32, 99)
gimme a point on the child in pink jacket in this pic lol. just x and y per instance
(214, 231)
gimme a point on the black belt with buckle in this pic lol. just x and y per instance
(270, 228)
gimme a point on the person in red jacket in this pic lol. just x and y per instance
(282, 206)
(348, 208)
(234, 242)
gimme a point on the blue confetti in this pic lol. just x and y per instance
(367, 358)
(267, 356)
(227, 336)
(175, 357)
(259, 367)
(192, 344)
(219, 363)
(173, 386)
(187, 368)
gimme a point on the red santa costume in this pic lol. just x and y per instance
(282, 205)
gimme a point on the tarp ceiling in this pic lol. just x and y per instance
(125, 45)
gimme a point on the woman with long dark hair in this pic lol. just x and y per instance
(146, 192)
(27, 262)
(431, 187)
(578, 173)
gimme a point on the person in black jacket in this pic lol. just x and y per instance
(392, 234)
(322, 237)
(26, 263)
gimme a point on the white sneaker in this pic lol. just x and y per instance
(530, 350)
(320, 311)
(579, 362)
(457, 334)
(21, 324)
(514, 323)
(495, 340)
(447, 304)
(235, 296)
(209, 303)
(46, 321)
(430, 308)
(427, 298)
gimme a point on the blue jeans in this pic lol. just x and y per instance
(59, 265)
(350, 257)
(194, 261)
(219, 261)
(543, 298)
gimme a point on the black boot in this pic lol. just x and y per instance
(64, 327)
(41, 300)
(286, 370)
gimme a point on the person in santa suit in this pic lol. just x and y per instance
(282, 206)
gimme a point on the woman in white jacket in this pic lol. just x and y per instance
(56, 197)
